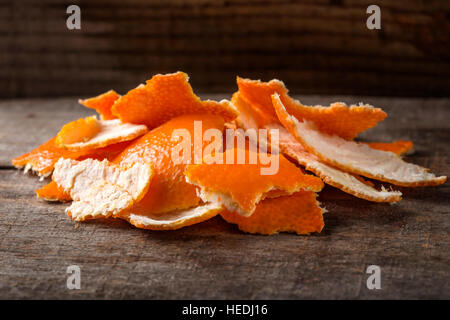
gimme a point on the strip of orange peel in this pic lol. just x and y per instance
(349, 183)
(299, 213)
(77, 131)
(400, 147)
(90, 133)
(240, 187)
(42, 159)
(102, 104)
(100, 189)
(53, 192)
(164, 97)
(339, 119)
(249, 118)
(170, 202)
(354, 157)
(175, 219)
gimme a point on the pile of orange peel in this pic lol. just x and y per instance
(119, 165)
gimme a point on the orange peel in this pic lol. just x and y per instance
(100, 189)
(399, 147)
(249, 116)
(175, 219)
(349, 183)
(291, 148)
(90, 133)
(42, 159)
(102, 104)
(168, 190)
(53, 192)
(340, 119)
(171, 202)
(164, 97)
(77, 131)
(239, 187)
(354, 157)
(299, 213)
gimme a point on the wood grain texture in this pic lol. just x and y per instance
(319, 47)
(409, 241)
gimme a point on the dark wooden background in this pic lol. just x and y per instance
(315, 46)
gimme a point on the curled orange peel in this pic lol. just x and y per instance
(173, 220)
(78, 131)
(299, 213)
(100, 189)
(102, 104)
(164, 97)
(339, 119)
(399, 147)
(352, 184)
(249, 115)
(168, 190)
(170, 202)
(239, 187)
(53, 192)
(90, 133)
(354, 157)
(349, 183)
(42, 159)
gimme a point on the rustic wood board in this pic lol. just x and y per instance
(409, 241)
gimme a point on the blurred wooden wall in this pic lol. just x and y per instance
(314, 46)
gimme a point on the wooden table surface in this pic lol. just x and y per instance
(214, 260)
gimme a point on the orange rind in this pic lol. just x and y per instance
(400, 147)
(100, 189)
(90, 133)
(249, 116)
(339, 119)
(299, 213)
(168, 190)
(354, 157)
(175, 219)
(291, 148)
(53, 192)
(239, 187)
(42, 159)
(102, 104)
(164, 97)
(109, 152)
(349, 183)
(78, 131)
(170, 203)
